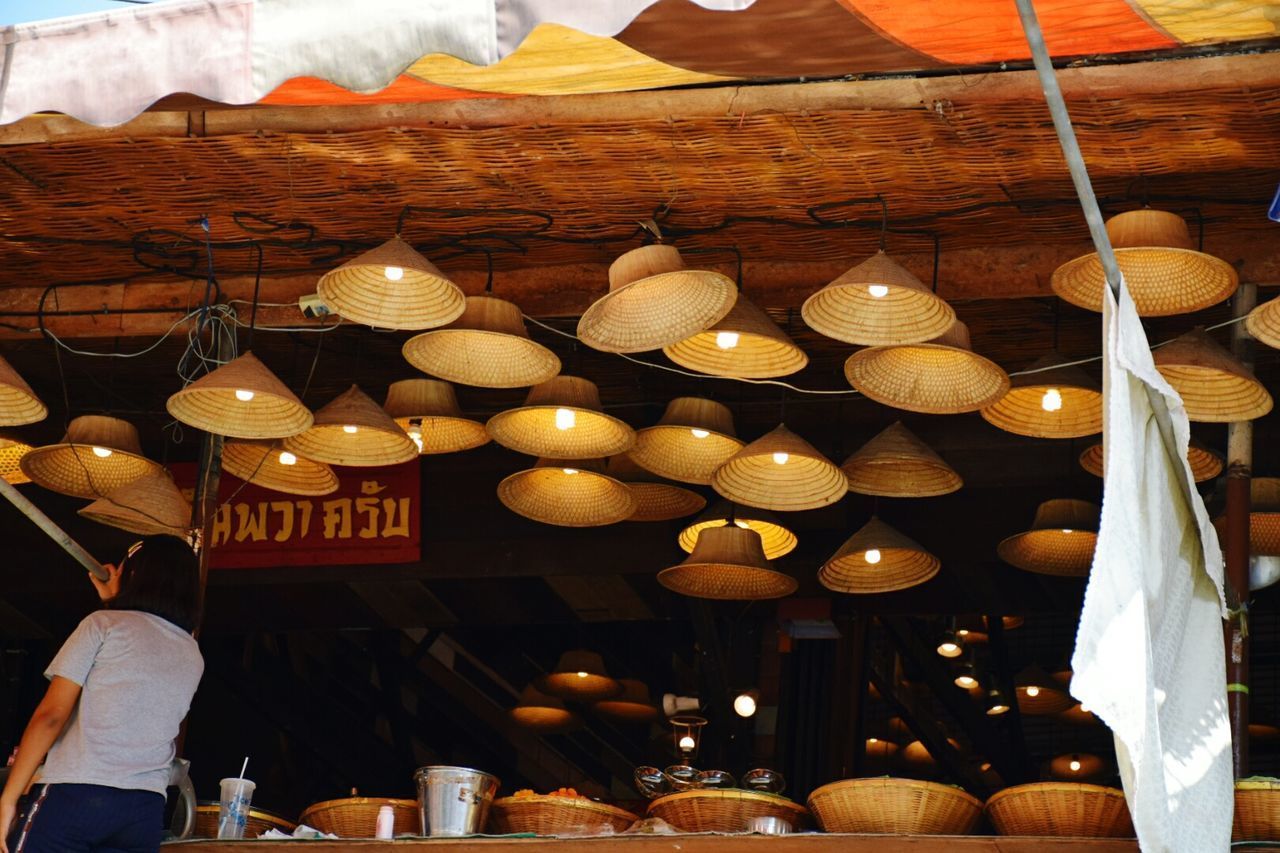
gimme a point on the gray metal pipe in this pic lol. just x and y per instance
(56, 533)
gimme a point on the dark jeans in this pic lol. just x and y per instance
(88, 819)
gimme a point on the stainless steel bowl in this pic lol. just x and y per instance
(769, 825)
(715, 779)
(764, 780)
(651, 782)
(682, 777)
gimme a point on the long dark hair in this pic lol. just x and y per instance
(161, 576)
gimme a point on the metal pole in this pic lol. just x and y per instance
(1239, 472)
(56, 533)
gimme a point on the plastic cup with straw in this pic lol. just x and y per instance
(233, 804)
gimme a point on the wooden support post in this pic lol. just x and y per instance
(1239, 473)
(1002, 674)
(849, 698)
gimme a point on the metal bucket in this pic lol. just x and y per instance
(454, 801)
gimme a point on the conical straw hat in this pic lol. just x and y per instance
(488, 346)
(632, 706)
(1022, 410)
(1263, 323)
(877, 559)
(728, 564)
(746, 343)
(653, 302)
(1060, 542)
(1039, 694)
(1090, 767)
(392, 287)
(427, 410)
(693, 439)
(1162, 271)
(18, 403)
(98, 455)
(896, 464)
(656, 500)
(353, 430)
(940, 377)
(536, 428)
(11, 452)
(1264, 517)
(579, 675)
(150, 504)
(1205, 463)
(215, 404)
(1076, 715)
(542, 713)
(567, 493)
(905, 311)
(776, 539)
(267, 464)
(1214, 385)
(780, 471)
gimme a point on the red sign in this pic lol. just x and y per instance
(373, 517)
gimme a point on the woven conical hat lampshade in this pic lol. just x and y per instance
(392, 287)
(567, 493)
(940, 377)
(746, 343)
(1205, 463)
(353, 430)
(654, 302)
(98, 455)
(150, 504)
(542, 713)
(1039, 694)
(1162, 271)
(1076, 715)
(579, 675)
(780, 471)
(488, 346)
(877, 303)
(427, 410)
(18, 403)
(1057, 402)
(267, 464)
(1214, 385)
(656, 500)
(1264, 517)
(562, 419)
(1076, 766)
(241, 399)
(693, 439)
(877, 559)
(11, 452)
(727, 564)
(632, 706)
(1263, 323)
(776, 539)
(896, 464)
(1060, 542)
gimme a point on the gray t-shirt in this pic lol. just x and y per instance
(137, 674)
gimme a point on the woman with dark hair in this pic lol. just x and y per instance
(118, 691)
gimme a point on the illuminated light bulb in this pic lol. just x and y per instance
(986, 765)
(878, 291)
(1033, 691)
(873, 740)
(744, 705)
(1065, 530)
(1052, 400)
(571, 471)
(1074, 765)
(565, 419)
(949, 649)
(416, 434)
(350, 429)
(1084, 710)
(781, 458)
(966, 682)
(102, 452)
(872, 555)
(996, 709)
(962, 632)
(726, 340)
(393, 273)
(244, 395)
(582, 675)
(687, 742)
(699, 433)
(743, 524)
(287, 458)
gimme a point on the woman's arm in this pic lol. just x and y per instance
(47, 723)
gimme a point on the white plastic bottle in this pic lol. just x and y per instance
(386, 823)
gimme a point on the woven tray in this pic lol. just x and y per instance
(896, 806)
(546, 815)
(1257, 816)
(728, 810)
(357, 817)
(1061, 809)
(258, 822)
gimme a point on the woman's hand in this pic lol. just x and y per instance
(107, 589)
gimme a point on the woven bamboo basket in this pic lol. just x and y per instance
(427, 410)
(693, 439)
(1162, 271)
(215, 404)
(894, 806)
(260, 463)
(746, 343)
(727, 810)
(353, 430)
(567, 493)
(150, 504)
(776, 538)
(392, 287)
(18, 403)
(897, 464)
(1060, 809)
(546, 815)
(357, 817)
(11, 452)
(877, 303)
(537, 428)
(940, 377)
(780, 471)
(1257, 814)
(1061, 540)
(728, 564)
(98, 455)
(654, 302)
(1205, 463)
(1215, 386)
(877, 559)
(256, 823)
(1022, 410)
(487, 346)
